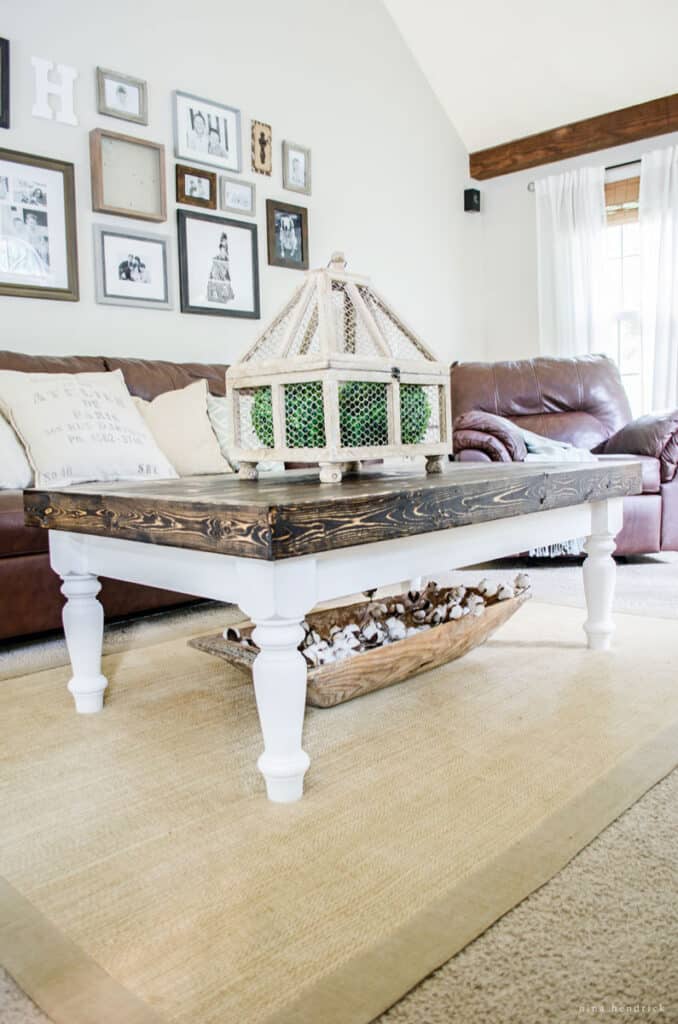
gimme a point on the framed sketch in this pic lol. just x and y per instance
(262, 148)
(196, 187)
(128, 176)
(132, 268)
(218, 265)
(122, 96)
(207, 132)
(38, 240)
(296, 168)
(237, 196)
(4, 83)
(287, 234)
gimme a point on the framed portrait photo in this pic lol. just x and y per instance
(196, 187)
(237, 196)
(132, 268)
(4, 83)
(296, 168)
(262, 148)
(128, 176)
(122, 96)
(38, 240)
(218, 265)
(206, 132)
(287, 235)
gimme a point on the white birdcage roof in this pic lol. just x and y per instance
(334, 313)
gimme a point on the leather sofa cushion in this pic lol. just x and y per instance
(51, 364)
(148, 378)
(15, 538)
(650, 469)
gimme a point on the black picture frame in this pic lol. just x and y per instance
(275, 260)
(4, 83)
(183, 217)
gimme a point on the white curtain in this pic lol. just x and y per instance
(571, 251)
(658, 211)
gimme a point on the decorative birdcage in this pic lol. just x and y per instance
(337, 377)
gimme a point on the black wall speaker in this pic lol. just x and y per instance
(472, 200)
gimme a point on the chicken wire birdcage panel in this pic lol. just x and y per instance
(353, 337)
(421, 413)
(306, 339)
(304, 415)
(401, 343)
(270, 343)
(363, 414)
(253, 418)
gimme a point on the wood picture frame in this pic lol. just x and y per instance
(287, 235)
(122, 96)
(262, 148)
(296, 168)
(206, 132)
(4, 83)
(128, 176)
(190, 182)
(214, 278)
(38, 232)
(234, 193)
(132, 268)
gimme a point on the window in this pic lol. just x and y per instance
(625, 343)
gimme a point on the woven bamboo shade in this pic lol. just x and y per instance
(621, 200)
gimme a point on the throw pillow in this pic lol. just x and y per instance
(181, 427)
(15, 469)
(219, 412)
(80, 426)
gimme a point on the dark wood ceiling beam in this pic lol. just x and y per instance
(644, 120)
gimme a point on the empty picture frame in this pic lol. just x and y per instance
(132, 268)
(4, 83)
(122, 96)
(196, 186)
(128, 176)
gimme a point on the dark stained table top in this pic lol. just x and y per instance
(283, 516)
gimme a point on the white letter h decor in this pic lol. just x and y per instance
(44, 88)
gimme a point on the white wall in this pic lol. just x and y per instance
(502, 299)
(388, 169)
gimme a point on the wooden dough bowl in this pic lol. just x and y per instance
(378, 667)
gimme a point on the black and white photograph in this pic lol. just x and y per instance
(4, 83)
(296, 168)
(218, 266)
(237, 196)
(287, 230)
(196, 187)
(122, 96)
(207, 132)
(38, 256)
(131, 268)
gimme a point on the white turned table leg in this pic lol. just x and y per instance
(83, 619)
(280, 690)
(600, 573)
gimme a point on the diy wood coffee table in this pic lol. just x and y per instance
(278, 548)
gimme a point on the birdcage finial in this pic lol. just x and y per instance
(337, 261)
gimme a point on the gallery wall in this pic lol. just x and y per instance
(388, 168)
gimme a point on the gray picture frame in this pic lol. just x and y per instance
(103, 295)
(191, 156)
(304, 189)
(138, 83)
(224, 181)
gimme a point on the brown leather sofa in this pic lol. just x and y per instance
(581, 401)
(30, 599)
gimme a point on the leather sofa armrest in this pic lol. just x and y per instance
(494, 435)
(655, 435)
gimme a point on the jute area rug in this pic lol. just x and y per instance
(148, 880)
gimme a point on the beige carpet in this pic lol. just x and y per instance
(432, 808)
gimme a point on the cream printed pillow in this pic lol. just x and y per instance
(15, 469)
(180, 425)
(80, 426)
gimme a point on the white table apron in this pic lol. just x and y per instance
(277, 595)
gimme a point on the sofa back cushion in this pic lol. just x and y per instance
(51, 364)
(580, 400)
(148, 378)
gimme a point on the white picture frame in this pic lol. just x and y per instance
(132, 268)
(206, 132)
(122, 96)
(237, 196)
(296, 168)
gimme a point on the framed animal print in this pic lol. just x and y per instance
(287, 235)
(128, 175)
(262, 148)
(122, 96)
(196, 187)
(218, 265)
(38, 240)
(132, 268)
(206, 132)
(4, 83)
(296, 168)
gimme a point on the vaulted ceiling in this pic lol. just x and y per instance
(503, 69)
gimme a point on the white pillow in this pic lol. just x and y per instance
(80, 426)
(219, 411)
(179, 423)
(15, 469)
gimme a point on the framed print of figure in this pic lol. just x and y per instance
(132, 268)
(287, 234)
(262, 148)
(196, 187)
(218, 265)
(206, 132)
(296, 168)
(122, 96)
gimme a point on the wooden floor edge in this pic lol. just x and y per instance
(374, 979)
(66, 984)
